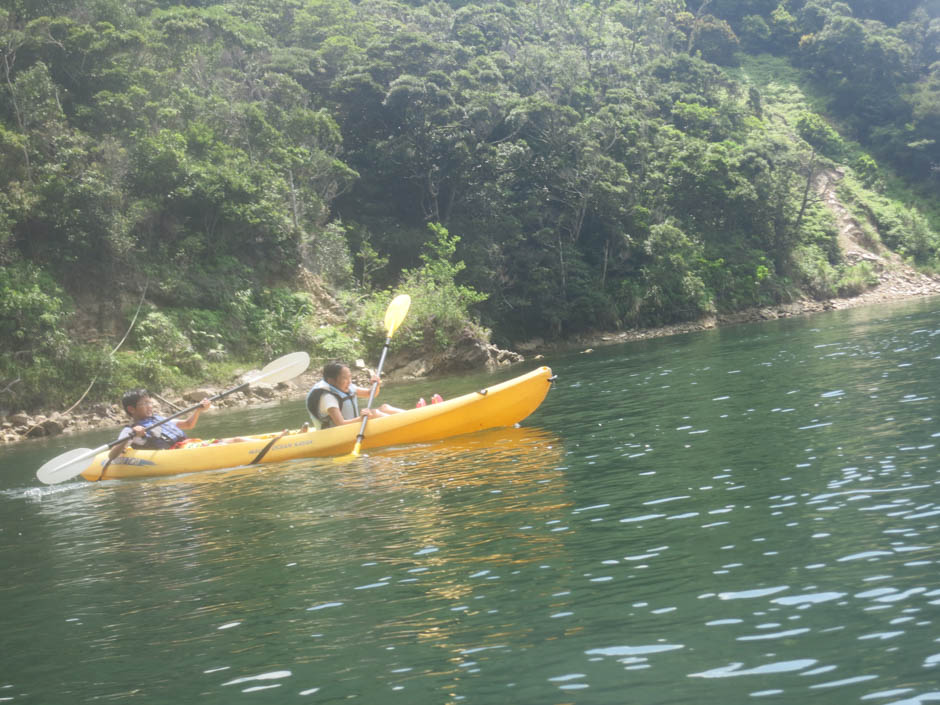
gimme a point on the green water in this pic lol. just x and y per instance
(748, 514)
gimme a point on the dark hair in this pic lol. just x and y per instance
(133, 396)
(331, 370)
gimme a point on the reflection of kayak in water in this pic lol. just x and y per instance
(474, 459)
(500, 405)
(516, 453)
(494, 446)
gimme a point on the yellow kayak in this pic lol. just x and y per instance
(502, 404)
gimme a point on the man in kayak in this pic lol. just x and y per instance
(139, 406)
(334, 400)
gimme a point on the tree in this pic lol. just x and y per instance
(921, 146)
(863, 65)
(715, 40)
(673, 290)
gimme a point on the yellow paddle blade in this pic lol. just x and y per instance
(396, 312)
(349, 457)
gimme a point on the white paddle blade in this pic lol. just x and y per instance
(283, 369)
(68, 465)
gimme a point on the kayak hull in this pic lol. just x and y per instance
(503, 404)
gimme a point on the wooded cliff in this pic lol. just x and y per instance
(229, 181)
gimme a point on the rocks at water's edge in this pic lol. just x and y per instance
(20, 425)
(466, 355)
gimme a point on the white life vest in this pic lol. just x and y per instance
(348, 402)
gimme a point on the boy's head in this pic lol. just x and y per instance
(137, 403)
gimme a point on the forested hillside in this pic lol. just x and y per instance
(206, 174)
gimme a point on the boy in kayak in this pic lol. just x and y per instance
(334, 400)
(139, 406)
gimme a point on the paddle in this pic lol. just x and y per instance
(71, 463)
(394, 315)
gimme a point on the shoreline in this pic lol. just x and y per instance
(20, 427)
(746, 316)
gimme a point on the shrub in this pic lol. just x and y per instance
(867, 171)
(202, 327)
(906, 231)
(819, 228)
(50, 380)
(674, 290)
(715, 39)
(627, 298)
(160, 337)
(816, 273)
(440, 307)
(33, 310)
(820, 135)
(332, 343)
(327, 255)
(145, 368)
(755, 33)
(868, 236)
(270, 322)
(59, 381)
(856, 279)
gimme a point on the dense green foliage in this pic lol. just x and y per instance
(588, 165)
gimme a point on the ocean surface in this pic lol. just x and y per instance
(750, 514)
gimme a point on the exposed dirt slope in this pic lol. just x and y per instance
(897, 279)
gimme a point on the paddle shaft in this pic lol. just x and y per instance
(378, 372)
(218, 396)
(375, 386)
(264, 451)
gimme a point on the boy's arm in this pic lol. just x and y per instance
(194, 417)
(126, 435)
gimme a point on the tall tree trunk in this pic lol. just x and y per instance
(561, 259)
(635, 29)
(9, 58)
(293, 200)
(810, 174)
